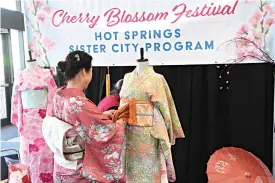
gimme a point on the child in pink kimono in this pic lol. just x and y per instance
(99, 140)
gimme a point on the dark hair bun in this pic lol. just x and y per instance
(75, 61)
(62, 66)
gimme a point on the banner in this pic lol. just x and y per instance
(171, 32)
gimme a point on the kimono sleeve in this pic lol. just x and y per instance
(104, 141)
(16, 104)
(51, 87)
(162, 97)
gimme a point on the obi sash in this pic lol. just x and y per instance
(34, 99)
(136, 113)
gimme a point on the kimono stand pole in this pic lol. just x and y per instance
(142, 59)
(30, 55)
(32, 62)
(108, 82)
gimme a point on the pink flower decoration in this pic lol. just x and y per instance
(30, 8)
(32, 21)
(40, 142)
(15, 117)
(47, 9)
(39, 3)
(162, 172)
(36, 36)
(41, 17)
(250, 37)
(31, 45)
(46, 177)
(257, 53)
(269, 22)
(243, 30)
(257, 17)
(47, 43)
(42, 113)
(46, 161)
(37, 53)
(33, 148)
(267, 9)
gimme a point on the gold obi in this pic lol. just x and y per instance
(136, 113)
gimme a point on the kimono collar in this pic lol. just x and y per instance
(145, 72)
(136, 79)
(70, 92)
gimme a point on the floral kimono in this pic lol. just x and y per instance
(33, 90)
(148, 141)
(102, 139)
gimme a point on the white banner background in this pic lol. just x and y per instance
(52, 43)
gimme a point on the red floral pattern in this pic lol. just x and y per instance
(33, 148)
(26, 179)
(46, 177)
(42, 113)
(40, 142)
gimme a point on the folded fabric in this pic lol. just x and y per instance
(66, 150)
(136, 113)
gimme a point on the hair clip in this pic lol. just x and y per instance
(77, 57)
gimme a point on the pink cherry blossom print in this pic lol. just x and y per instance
(250, 37)
(40, 142)
(15, 117)
(47, 43)
(267, 9)
(243, 30)
(163, 172)
(47, 9)
(39, 3)
(33, 21)
(42, 113)
(41, 17)
(257, 17)
(37, 53)
(46, 161)
(30, 8)
(46, 177)
(269, 22)
(31, 45)
(36, 36)
(33, 148)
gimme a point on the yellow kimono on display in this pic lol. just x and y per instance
(148, 157)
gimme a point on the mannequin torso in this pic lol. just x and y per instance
(31, 65)
(141, 66)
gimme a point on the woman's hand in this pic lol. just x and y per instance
(109, 113)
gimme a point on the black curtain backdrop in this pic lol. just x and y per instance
(218, 106)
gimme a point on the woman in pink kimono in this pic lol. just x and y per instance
(100, 140)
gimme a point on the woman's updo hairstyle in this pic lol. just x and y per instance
(74, 63)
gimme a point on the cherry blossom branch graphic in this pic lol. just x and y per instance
(37, 16)
(250, 40)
